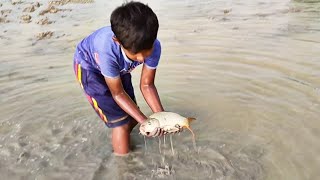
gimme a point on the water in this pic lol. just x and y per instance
(247, 70)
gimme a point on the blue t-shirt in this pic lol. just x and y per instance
(100, 53)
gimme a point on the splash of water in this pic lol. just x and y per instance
(159, 144)
(145, 144)
(171, 145)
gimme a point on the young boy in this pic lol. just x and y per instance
(103, 62)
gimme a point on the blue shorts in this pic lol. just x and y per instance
(100, 97)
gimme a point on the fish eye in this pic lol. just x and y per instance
(147, 133)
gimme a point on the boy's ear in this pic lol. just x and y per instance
(115, 40)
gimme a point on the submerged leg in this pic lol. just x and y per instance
(121, 139)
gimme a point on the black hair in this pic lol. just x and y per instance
(135, 25)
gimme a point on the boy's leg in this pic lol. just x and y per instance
(101, 100)
(121, 139)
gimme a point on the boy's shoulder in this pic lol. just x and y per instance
(102, 40)
(106, 30)
(102, 34)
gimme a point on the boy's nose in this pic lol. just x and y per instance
(140, 58)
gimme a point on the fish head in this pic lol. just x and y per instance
(149, 126)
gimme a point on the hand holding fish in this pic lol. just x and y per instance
(156, 132)
(162, 123)
(160, 132)
(179, 127)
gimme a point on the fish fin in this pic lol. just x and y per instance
(190, 119)
(188, 127)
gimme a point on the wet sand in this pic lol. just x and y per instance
(248, 71)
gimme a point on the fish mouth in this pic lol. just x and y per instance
(142, 130)
(147, 127)
(145, 133)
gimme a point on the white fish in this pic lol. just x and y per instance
(168, 121)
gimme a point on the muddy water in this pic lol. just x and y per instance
(248, 71)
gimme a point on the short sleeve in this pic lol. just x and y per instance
(153, 60)
(107, 64)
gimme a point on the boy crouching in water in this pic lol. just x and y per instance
(103, 62)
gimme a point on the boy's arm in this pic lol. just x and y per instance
(149, 90)
(123, 99)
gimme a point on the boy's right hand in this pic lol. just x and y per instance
(157, 132)
(161, 132)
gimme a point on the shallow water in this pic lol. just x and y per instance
(248, 71)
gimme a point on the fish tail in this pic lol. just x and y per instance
(190, 119)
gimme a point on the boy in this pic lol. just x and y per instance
(103, 62)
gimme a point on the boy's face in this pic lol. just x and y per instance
(140, 56)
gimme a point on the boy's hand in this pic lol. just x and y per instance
(157, 132)
(161, 132)
(179, 127)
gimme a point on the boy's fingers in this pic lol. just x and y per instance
(161, 132)
(179, 128)
(156, 132)
(153, 133)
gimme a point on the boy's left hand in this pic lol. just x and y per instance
(157, 132)
(161, 132)
(179, 127)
